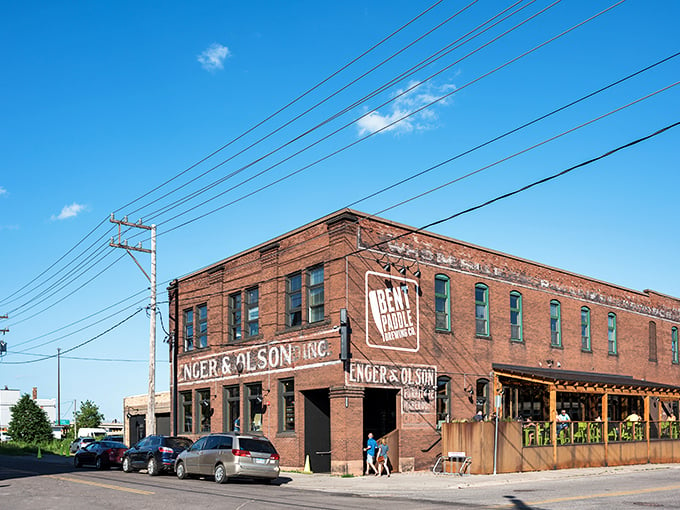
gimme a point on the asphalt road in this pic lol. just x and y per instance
(53, 483)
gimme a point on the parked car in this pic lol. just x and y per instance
(4, 437)
(114, 437)
(155, 454)
(229, 455)
(101, 454)
(79, 442)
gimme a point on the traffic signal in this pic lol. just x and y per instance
(345, 332)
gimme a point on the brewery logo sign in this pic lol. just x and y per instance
(392, 312)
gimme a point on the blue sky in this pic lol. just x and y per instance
(103, 102)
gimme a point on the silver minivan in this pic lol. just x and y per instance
(229, 455)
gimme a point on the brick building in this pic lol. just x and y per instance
(258, 340)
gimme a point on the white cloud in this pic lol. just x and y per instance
(3, 192)
(213, 58)
(69, 211)
(417, 97)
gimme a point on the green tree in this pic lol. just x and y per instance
(29, 423)
(88, 415)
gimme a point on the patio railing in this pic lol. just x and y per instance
(586, 432)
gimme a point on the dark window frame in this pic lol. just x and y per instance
(252, 305)
(287, 405)
(653, 351)
(294, 300)
(315, 312)
(231, 407)
(204, 410)
(188, 331)
(187, 415)
(675, 355)
(255, 407)
(235, 317)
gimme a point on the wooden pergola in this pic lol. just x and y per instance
(556, 381)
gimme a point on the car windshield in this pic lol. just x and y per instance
(180, 443)
(256, 445)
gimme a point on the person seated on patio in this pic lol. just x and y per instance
(563, 418)
(633, 417)
(530, 428)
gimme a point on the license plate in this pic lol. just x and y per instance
(260, 461)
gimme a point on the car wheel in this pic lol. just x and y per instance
(76, 462)
(127, 465)
(100, 464)
(152, 467)
(181, 471)
(220, 474)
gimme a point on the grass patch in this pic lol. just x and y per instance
(55, 447)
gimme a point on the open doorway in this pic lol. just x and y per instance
(318, 430)
(380, 417)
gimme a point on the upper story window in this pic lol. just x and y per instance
(516, 316)
(652, 341)
(253, 311)
(188, 330)
(202, 312)
(555, 324)
(196, 320)
(442, 319)
(674, 345)
(294, 300)
(585, 329)
(235, 317)
(481, 310)
(315, 295)
(611, 333)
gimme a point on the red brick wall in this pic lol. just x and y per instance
(458, 353)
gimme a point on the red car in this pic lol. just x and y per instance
(101, 454)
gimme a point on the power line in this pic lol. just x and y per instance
(79, 345)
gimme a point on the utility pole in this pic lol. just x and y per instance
(151, 401)
(3, 344)
(59, 388)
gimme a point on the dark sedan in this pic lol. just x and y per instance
(155, 454)
(100, 454)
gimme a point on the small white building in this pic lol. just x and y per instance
(9, 397)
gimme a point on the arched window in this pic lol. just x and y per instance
(442, 292)
(483, 403)
(611, 333)
(555, 324)
(443, 398)
(481, 310)
(516, 316)
(585, 329)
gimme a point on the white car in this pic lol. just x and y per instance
(4, 437)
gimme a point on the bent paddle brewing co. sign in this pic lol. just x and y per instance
(392, 312)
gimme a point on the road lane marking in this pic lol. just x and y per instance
(103, 485)
(594, 496)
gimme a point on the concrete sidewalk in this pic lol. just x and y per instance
(427, 482)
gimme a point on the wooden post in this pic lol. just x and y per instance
(553, 426)
(605, 425)
(647, 425)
